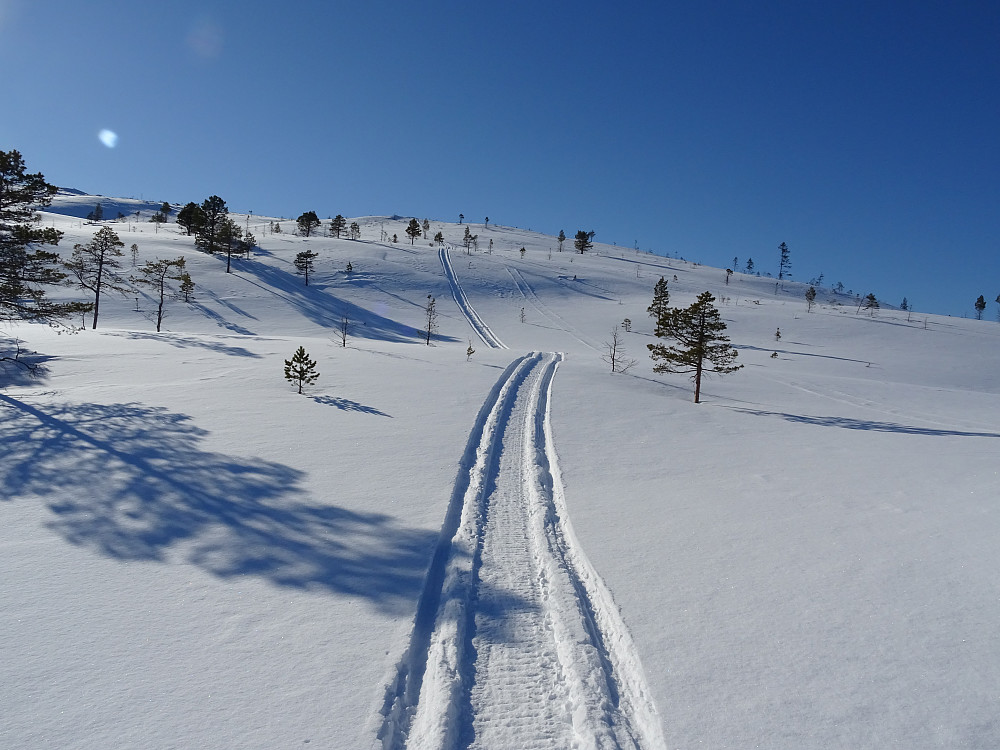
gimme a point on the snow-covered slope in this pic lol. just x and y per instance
(193, 555)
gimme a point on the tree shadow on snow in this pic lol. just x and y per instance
(345, 404)
(132, 482)
(21, 366)
(326, 310)
(849, 423)
(183, 342)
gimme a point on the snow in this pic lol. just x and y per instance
(194, 555)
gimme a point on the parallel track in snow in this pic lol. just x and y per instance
(478, 325)
(517, 642)
(525, 290)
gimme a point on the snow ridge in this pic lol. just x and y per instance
(482, 330)
(525, 648)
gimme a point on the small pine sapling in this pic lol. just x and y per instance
(187, 286)
(627, 325)
(300, 369)
(469, 352)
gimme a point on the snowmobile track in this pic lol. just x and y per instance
(478, 325)
(517, 642)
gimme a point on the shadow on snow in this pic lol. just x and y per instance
(183, 342)
(327, 310)
(131, 482)
(849, 423)
(345, 404)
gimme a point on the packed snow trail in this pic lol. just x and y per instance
(482, 330)
(517, 642)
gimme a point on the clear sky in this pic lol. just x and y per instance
(865, 135)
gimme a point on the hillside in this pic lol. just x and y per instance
(194, 555)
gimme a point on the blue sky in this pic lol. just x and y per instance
(865, 135)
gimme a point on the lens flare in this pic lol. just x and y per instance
(109, 138)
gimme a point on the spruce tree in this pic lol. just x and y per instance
(96, 268)
(355, 231)
(25, 268)
(810, 298)
(561, 238)
(300, 369)
(701, 346)
(661, 300)
(980, 306)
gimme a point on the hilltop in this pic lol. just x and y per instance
(195, 555)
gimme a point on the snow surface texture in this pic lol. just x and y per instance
(193, 555)
(516, 656)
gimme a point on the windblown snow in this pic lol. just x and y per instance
(521, 550)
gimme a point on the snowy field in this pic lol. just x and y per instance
(522, 550)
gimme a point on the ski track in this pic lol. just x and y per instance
(525, 290)
(478, 325)
(517, 642)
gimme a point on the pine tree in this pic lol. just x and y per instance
(304, 263)
(439, 238)
(469, 352)
(427, 228)
(355, 231)
(413, 230)
(187, 286)
(701, 345)
(165, 209)
(430, 319)
(583, 241)
(192, 218)
(158, 274)
(661, 300)
(980, 306)
(25, 268)
(810, 298)
(300, 369)
(785, 263)
(870, 303)
(209, 236)
(307, 222)
(337, 225)
(96, 268)
(467, 240)
(749, 267)
(229, 238)
(904, 305)
(561, 238)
